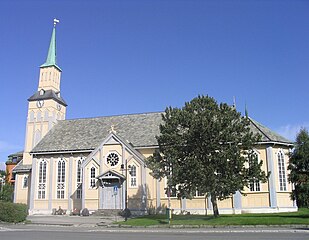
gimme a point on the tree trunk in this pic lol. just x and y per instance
(214, 204)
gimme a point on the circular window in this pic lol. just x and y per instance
(112, 159)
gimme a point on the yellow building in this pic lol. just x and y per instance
(99, 163)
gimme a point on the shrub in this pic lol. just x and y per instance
(6, 193)
(13, 212)
(125, 213)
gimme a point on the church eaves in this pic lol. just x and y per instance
(140, 130)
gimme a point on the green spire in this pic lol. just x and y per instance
(51, 59)
(246, 111)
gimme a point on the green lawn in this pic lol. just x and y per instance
(300, 217)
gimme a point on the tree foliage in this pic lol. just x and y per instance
(13, 212)
(299, 169)
(6, 193)
(2, 173)
(206, 146)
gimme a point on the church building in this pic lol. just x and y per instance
(99, 163)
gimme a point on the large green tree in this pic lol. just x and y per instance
(299, 167)
(208, 147)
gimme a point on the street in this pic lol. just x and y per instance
(35, 232)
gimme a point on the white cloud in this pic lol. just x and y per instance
(290, 131)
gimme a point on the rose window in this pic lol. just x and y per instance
(112, 159)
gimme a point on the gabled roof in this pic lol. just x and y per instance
(139, 130)
(267, 134)
(48, 94)
(111, 174)
(20, 167)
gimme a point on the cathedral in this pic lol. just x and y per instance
(99, 163)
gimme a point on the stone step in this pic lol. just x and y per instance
(107, 212)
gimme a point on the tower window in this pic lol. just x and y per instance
(42, 91)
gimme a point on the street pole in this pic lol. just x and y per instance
(126, 192)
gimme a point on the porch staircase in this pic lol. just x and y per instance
(107, 212)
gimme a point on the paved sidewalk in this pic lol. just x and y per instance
(65, 220)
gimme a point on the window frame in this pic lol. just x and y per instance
(61, 179)
(109, 164)
(282, 171)
(133, 178)
(25, 186)
(92, 179)
(255, 185)
(79, 178)
(42, 179)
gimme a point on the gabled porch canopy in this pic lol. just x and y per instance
(111, 178)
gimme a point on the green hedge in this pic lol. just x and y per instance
(13, 212)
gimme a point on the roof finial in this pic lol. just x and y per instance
(234, 102)
(246, 111)
(56, 21)
(112, 129)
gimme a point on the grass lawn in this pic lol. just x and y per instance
(300, 217)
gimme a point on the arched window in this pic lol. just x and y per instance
(42, 180)
(46, 115)
(31, 116)
(79, 179)
(61, 179)
(38, 116)
(282, 171)
(254, 184)
(37, 136)
(92, 177)
(133, 181)
(25, 181)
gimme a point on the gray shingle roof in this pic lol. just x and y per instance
(20, 167)
(48, 94)
(267, 134)
(138, 129)
(82, 134)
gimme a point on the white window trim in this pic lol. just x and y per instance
(65, 176)
(130, 176)
(90, 178)
(256, 182)
(280, 151)
(23, 186)
(79, 183)
(43, 182)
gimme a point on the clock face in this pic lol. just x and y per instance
(40, 103)
(58, 107)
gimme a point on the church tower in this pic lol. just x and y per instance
(46, 106)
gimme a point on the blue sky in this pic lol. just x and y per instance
(123, 57)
